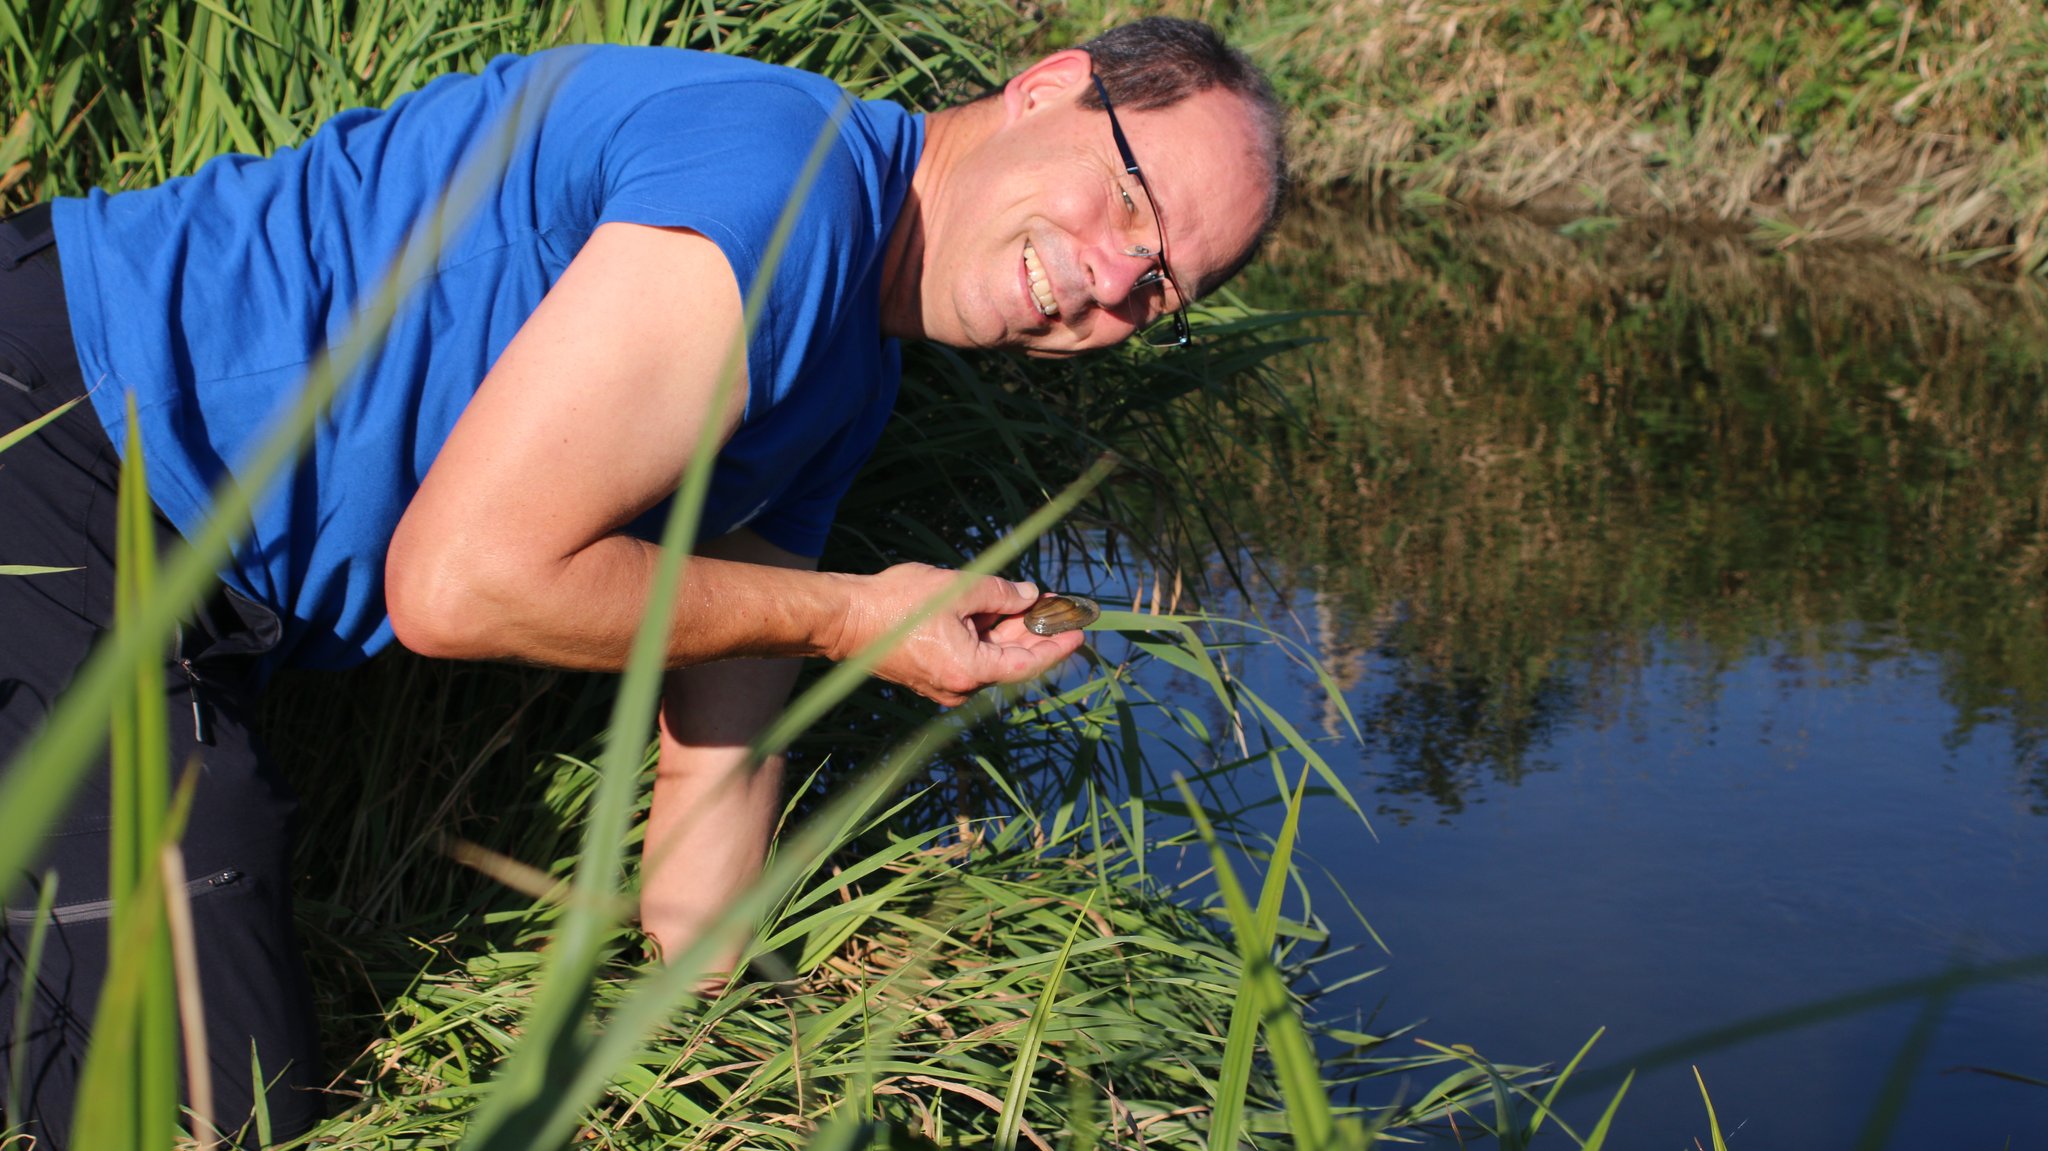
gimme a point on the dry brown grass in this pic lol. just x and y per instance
(1945, 168)
(1912, 123)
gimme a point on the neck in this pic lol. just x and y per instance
(949, 134)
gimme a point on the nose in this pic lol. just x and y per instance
(1118, 274)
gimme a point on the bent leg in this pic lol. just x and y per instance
(57, 510)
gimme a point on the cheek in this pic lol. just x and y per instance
(1060, 195)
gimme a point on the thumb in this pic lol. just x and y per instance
(996, 596)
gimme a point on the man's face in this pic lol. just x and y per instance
(1038, 239)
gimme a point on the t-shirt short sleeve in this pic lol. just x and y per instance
(820, 379)
(675, 161)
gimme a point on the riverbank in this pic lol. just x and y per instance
(1918, 126)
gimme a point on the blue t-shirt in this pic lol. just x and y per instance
(209, 295)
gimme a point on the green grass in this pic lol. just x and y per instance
(1914, 124)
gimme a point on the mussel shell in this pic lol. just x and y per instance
(1061, 613)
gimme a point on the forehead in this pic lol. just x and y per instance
(1206, 164)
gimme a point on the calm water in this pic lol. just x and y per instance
(1691, 605)
(1726, 844)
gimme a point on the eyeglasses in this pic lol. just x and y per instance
(1172, 331)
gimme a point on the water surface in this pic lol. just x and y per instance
(1690, 602)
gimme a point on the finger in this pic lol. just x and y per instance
(1017, 662)
(997, 597)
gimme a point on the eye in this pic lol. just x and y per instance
(1130, 205)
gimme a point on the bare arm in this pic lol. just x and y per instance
(709, 828)
(511, 549)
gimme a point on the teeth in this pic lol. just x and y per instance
(1041, 289)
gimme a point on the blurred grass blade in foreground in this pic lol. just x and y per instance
(1263, 1002)
(128, 1090)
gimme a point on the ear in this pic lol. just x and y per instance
(1055, 78)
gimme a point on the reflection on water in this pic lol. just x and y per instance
(1694, 605)
(1529, 450)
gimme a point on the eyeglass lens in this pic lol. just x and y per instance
(1172, 330)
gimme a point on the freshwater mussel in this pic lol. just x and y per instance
(1059, 612)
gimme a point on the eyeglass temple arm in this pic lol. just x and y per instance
(1116, 130)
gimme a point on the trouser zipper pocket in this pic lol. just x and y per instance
(98, 909)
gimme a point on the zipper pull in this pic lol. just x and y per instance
(200, 733)
(224, 877)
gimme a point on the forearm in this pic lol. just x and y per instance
(583, 611)
(713, 813)
(740, 598)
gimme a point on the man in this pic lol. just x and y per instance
(480, 492)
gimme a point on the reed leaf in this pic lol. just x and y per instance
(1026, 1062)
(33, 426)
(1262, 998)
(31, 964)
(1713, 1123)
(128, 1090)
(1597, 1137)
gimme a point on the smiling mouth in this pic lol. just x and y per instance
(1041, 287)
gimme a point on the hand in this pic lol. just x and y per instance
(975, 640)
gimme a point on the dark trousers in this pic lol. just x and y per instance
(57, 507)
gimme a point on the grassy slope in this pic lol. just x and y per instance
(1915, 124)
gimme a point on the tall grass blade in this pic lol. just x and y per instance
(1597, 1138)
(128, 1090)
(1898, 1082)
(1262, 998)
(32, 963)
(1713, 1123)
(1550, 1097)
(1026, 1060)
(261, 1119)
(1809, 1014)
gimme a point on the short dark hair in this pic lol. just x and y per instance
(1161, 60)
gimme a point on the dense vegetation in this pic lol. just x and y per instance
(1889, 120)
(1912, 123)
